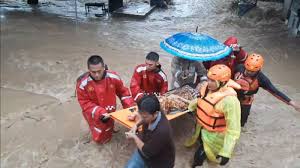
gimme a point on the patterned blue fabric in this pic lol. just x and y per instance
(195, 46)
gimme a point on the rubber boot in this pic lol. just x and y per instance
(199, 156)
(245, 112)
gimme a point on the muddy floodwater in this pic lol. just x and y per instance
(44, 49)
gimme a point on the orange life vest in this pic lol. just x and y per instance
(249, 87)
(210, 118)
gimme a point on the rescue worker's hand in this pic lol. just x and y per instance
(295, 105)
(176, 84)
(244, 84)
(133, 129)
(105, 117)
(130, 135)
(222, 160)
(193, 105)
(134, 115)
(131, 117)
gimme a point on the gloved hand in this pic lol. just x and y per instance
(105, 118)
(223, 160)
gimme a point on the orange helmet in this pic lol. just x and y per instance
(254, 62)
(219, 72)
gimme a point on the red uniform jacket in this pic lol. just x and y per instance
(235, 58)
(99, 97)
(147, 82)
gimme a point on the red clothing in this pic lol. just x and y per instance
(99, 97)
(235, 58)
(147, 82)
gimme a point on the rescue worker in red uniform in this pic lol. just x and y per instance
(250, 77)
(238, 55)
(148, 78)
(96, 93)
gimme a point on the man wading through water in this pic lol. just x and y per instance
(96, 92)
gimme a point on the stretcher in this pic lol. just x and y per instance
(121, 116)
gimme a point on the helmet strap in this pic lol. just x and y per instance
(252, 76)
(221, 84)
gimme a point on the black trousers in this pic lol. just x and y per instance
(245, 111)
(200, 155)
